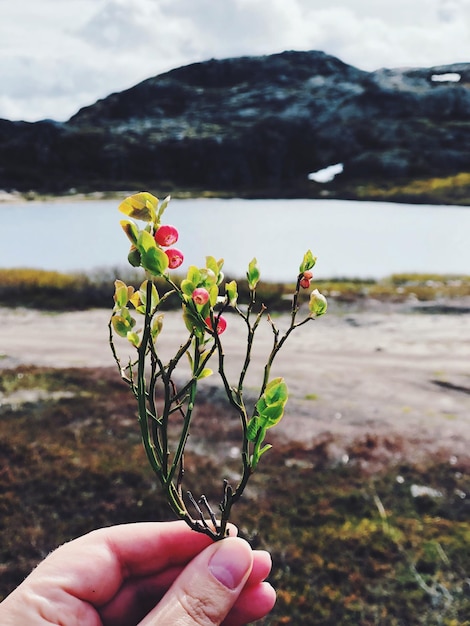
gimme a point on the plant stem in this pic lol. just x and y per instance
(187, 419)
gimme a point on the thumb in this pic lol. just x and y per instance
(207, 588)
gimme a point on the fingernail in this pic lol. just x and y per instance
(231, 562)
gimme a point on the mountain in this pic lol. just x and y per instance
(258, 126)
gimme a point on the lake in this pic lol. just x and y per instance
(352, 239)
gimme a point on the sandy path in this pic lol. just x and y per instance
(376, 372)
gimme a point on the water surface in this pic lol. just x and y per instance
(352, 239)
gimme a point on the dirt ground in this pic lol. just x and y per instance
(377, 371)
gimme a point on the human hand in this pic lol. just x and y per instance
(142, 575)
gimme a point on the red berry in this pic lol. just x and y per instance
(175, 258)
(221, 324)
(166, 235)
(305, 282)
(200, 296)
(308, 274)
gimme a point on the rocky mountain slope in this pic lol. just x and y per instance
(258, 126)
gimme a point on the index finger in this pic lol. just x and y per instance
(94, 567)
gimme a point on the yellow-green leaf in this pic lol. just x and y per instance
(161, 208)
(194, 275)
(253, 274)
(157, 326)
(155, 298)
(317, 303)
(232, 293)
(307, 262)
(121, 325)
(205, 373)
(213, 295)
(187, 287)
(134, 339)
(131, 230)
(276, 391)
(140, 206)
(121, 293)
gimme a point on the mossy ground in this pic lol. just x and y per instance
(349, 547)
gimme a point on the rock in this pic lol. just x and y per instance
(252, 126)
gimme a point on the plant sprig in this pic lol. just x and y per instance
(204, 299)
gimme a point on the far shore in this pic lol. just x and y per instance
(372, 193)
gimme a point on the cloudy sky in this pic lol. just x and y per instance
(59, 55)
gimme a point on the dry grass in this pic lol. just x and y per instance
(58, 291)
(443, 190)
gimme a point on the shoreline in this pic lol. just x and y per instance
(15, 197)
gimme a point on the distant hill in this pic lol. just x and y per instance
(257, 126)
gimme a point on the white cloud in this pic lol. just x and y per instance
(57, 56)
(452, 10)
(121, 26)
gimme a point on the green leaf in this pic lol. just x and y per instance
(253, 274)
(145, 241)
(271, 414)
(193, 322)
(264, 449)
(155, 261)
(134, 257)
(257, 452)
(270, 406)
(308, 262)
(131, 230)
(253, 428)
(276, 391)
(140, 206)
